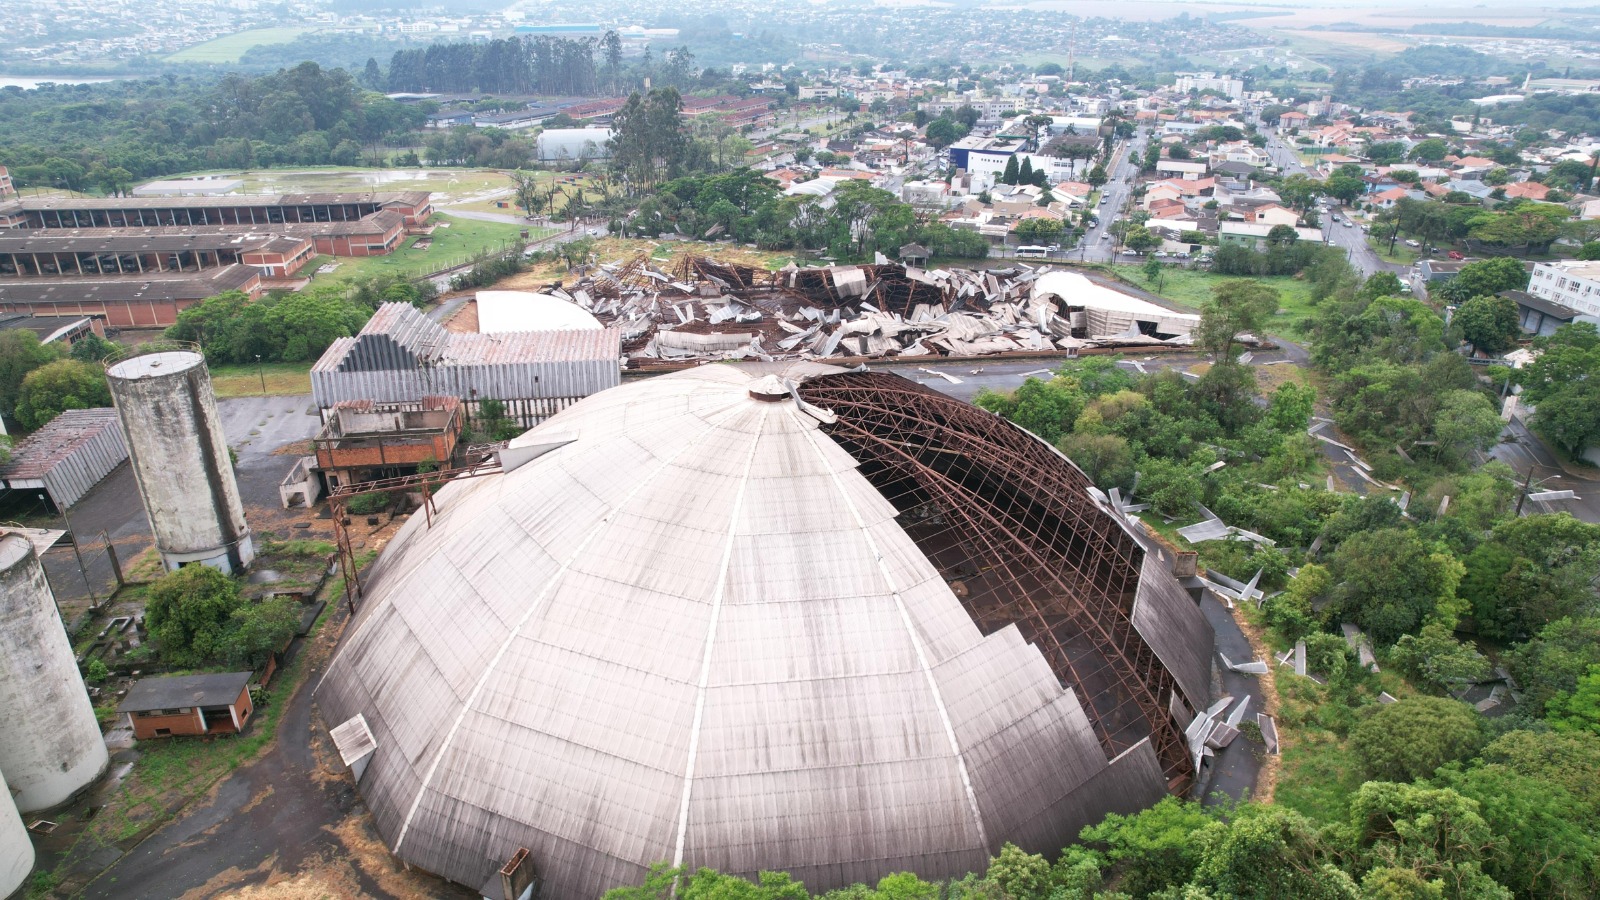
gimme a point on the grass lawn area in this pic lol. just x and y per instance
(229, 49)
(1402, 254)
(455, 241)
(1192, 287)
(245, 381)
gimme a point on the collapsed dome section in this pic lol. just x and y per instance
(714, 621)
(1023, 539)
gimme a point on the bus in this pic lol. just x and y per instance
(1033, 250)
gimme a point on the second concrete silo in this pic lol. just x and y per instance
(50, 747)
(180, 457)
(16, 850)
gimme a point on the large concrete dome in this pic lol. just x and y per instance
(874, 631)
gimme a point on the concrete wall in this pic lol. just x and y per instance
(180, 459)
(16, 851)
(50, 746)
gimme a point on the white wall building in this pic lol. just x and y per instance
(1571, 283)
(1233, 88)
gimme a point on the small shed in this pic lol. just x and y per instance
(177, 705)
(68, 456)
(915, 255)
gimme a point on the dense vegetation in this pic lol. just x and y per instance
(198, 616)
(106, 136)
(855, 221)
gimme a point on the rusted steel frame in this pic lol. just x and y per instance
(1017, 453)
(1145, 695)
(1149, 679)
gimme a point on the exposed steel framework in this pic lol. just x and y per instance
(1014, 529)
(482, 460)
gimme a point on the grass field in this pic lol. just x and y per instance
(229, 49)
(246, 381)
(1192, 287)
(455, 241)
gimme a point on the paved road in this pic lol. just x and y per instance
(1098, 243)
(1525, 453)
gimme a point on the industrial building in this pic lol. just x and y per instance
(163, 395)
(16, 849)
(50, 747)
(402, 356)
(775, 616)
(139, 261)
(124, 301)
(67, 457)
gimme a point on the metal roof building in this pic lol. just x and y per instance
(771, 617)
(68, 456)
(402, 355)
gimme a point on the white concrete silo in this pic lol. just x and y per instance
(50, 747)
(16, 850)
(180, 458)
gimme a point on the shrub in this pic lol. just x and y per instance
(1411, 738)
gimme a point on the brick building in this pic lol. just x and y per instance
(193, 705)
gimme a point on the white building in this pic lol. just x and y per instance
(572, 144)
(1571, 283)
(1233, 88)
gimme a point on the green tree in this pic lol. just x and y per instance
(1466, 421)
(1152, 849)
(60, 385)
(942, 132)
(1106, 458)
(1435, 657)
(1412, 737)
(1579, 710)
(1268, 852)
(1172, 488)
(1012, 171)
(1391, 581)
(1291, 406)
(1140, 239)
(1545, 837)
(1487, 277)
(1097, 176)
(1436, 833)
(1236, 307)
(1490, 324)
(20, 353)
(1555, 659)
(189, 613)
(1021, 875)
(1431, 150)
(257, 630)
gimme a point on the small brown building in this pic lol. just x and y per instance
(189, 705)
(364, 439)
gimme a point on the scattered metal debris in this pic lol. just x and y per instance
(707, 310)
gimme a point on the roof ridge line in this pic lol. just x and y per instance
(735, 518)
(916, 643)
(538, 603)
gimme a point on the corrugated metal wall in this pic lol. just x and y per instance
(502, 381)
(72, 477)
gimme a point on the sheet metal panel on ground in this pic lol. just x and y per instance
(697, 633)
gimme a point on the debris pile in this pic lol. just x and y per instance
(710, 310)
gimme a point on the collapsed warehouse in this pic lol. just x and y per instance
(707, 309)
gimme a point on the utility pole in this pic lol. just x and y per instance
(1526, 482)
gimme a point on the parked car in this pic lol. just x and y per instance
(1456, 254)
(1412, 244)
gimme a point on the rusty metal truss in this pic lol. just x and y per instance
(1014, 529)
(482, 460)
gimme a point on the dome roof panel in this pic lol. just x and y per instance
(699, 632)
